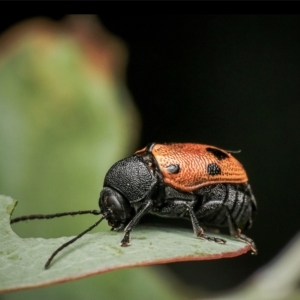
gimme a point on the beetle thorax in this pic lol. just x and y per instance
(131, 177)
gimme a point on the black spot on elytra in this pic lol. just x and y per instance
(213, 169)
(219, 154)
(173, 169)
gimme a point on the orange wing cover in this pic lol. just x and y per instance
(198, 166)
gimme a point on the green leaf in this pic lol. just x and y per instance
(65, 116)
(22, 260)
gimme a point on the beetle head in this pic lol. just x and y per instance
(115, 208)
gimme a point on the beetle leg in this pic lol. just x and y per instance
(196, 226)
(236, 232)
(198, 230)
(144, 209)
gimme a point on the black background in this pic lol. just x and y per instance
(232, 81)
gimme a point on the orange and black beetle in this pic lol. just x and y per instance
(200, 182)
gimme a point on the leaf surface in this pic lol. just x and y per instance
(22, 259)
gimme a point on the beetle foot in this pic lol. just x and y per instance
(248, 241)
(211, 239)
(126, 240)
(124, 244)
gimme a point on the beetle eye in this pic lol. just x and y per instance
(173, 169)
(112, 203)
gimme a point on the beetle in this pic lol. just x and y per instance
(183, 180)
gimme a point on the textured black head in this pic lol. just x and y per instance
(115, 208)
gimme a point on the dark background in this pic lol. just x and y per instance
(232, 81)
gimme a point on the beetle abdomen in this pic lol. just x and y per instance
(236, 198)
(188, 167)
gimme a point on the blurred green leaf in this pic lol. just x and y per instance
(22, 260)
(65, 116)
(278, 280)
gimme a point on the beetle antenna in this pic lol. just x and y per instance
(71, 213)
(71, 241)
(234, 151)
